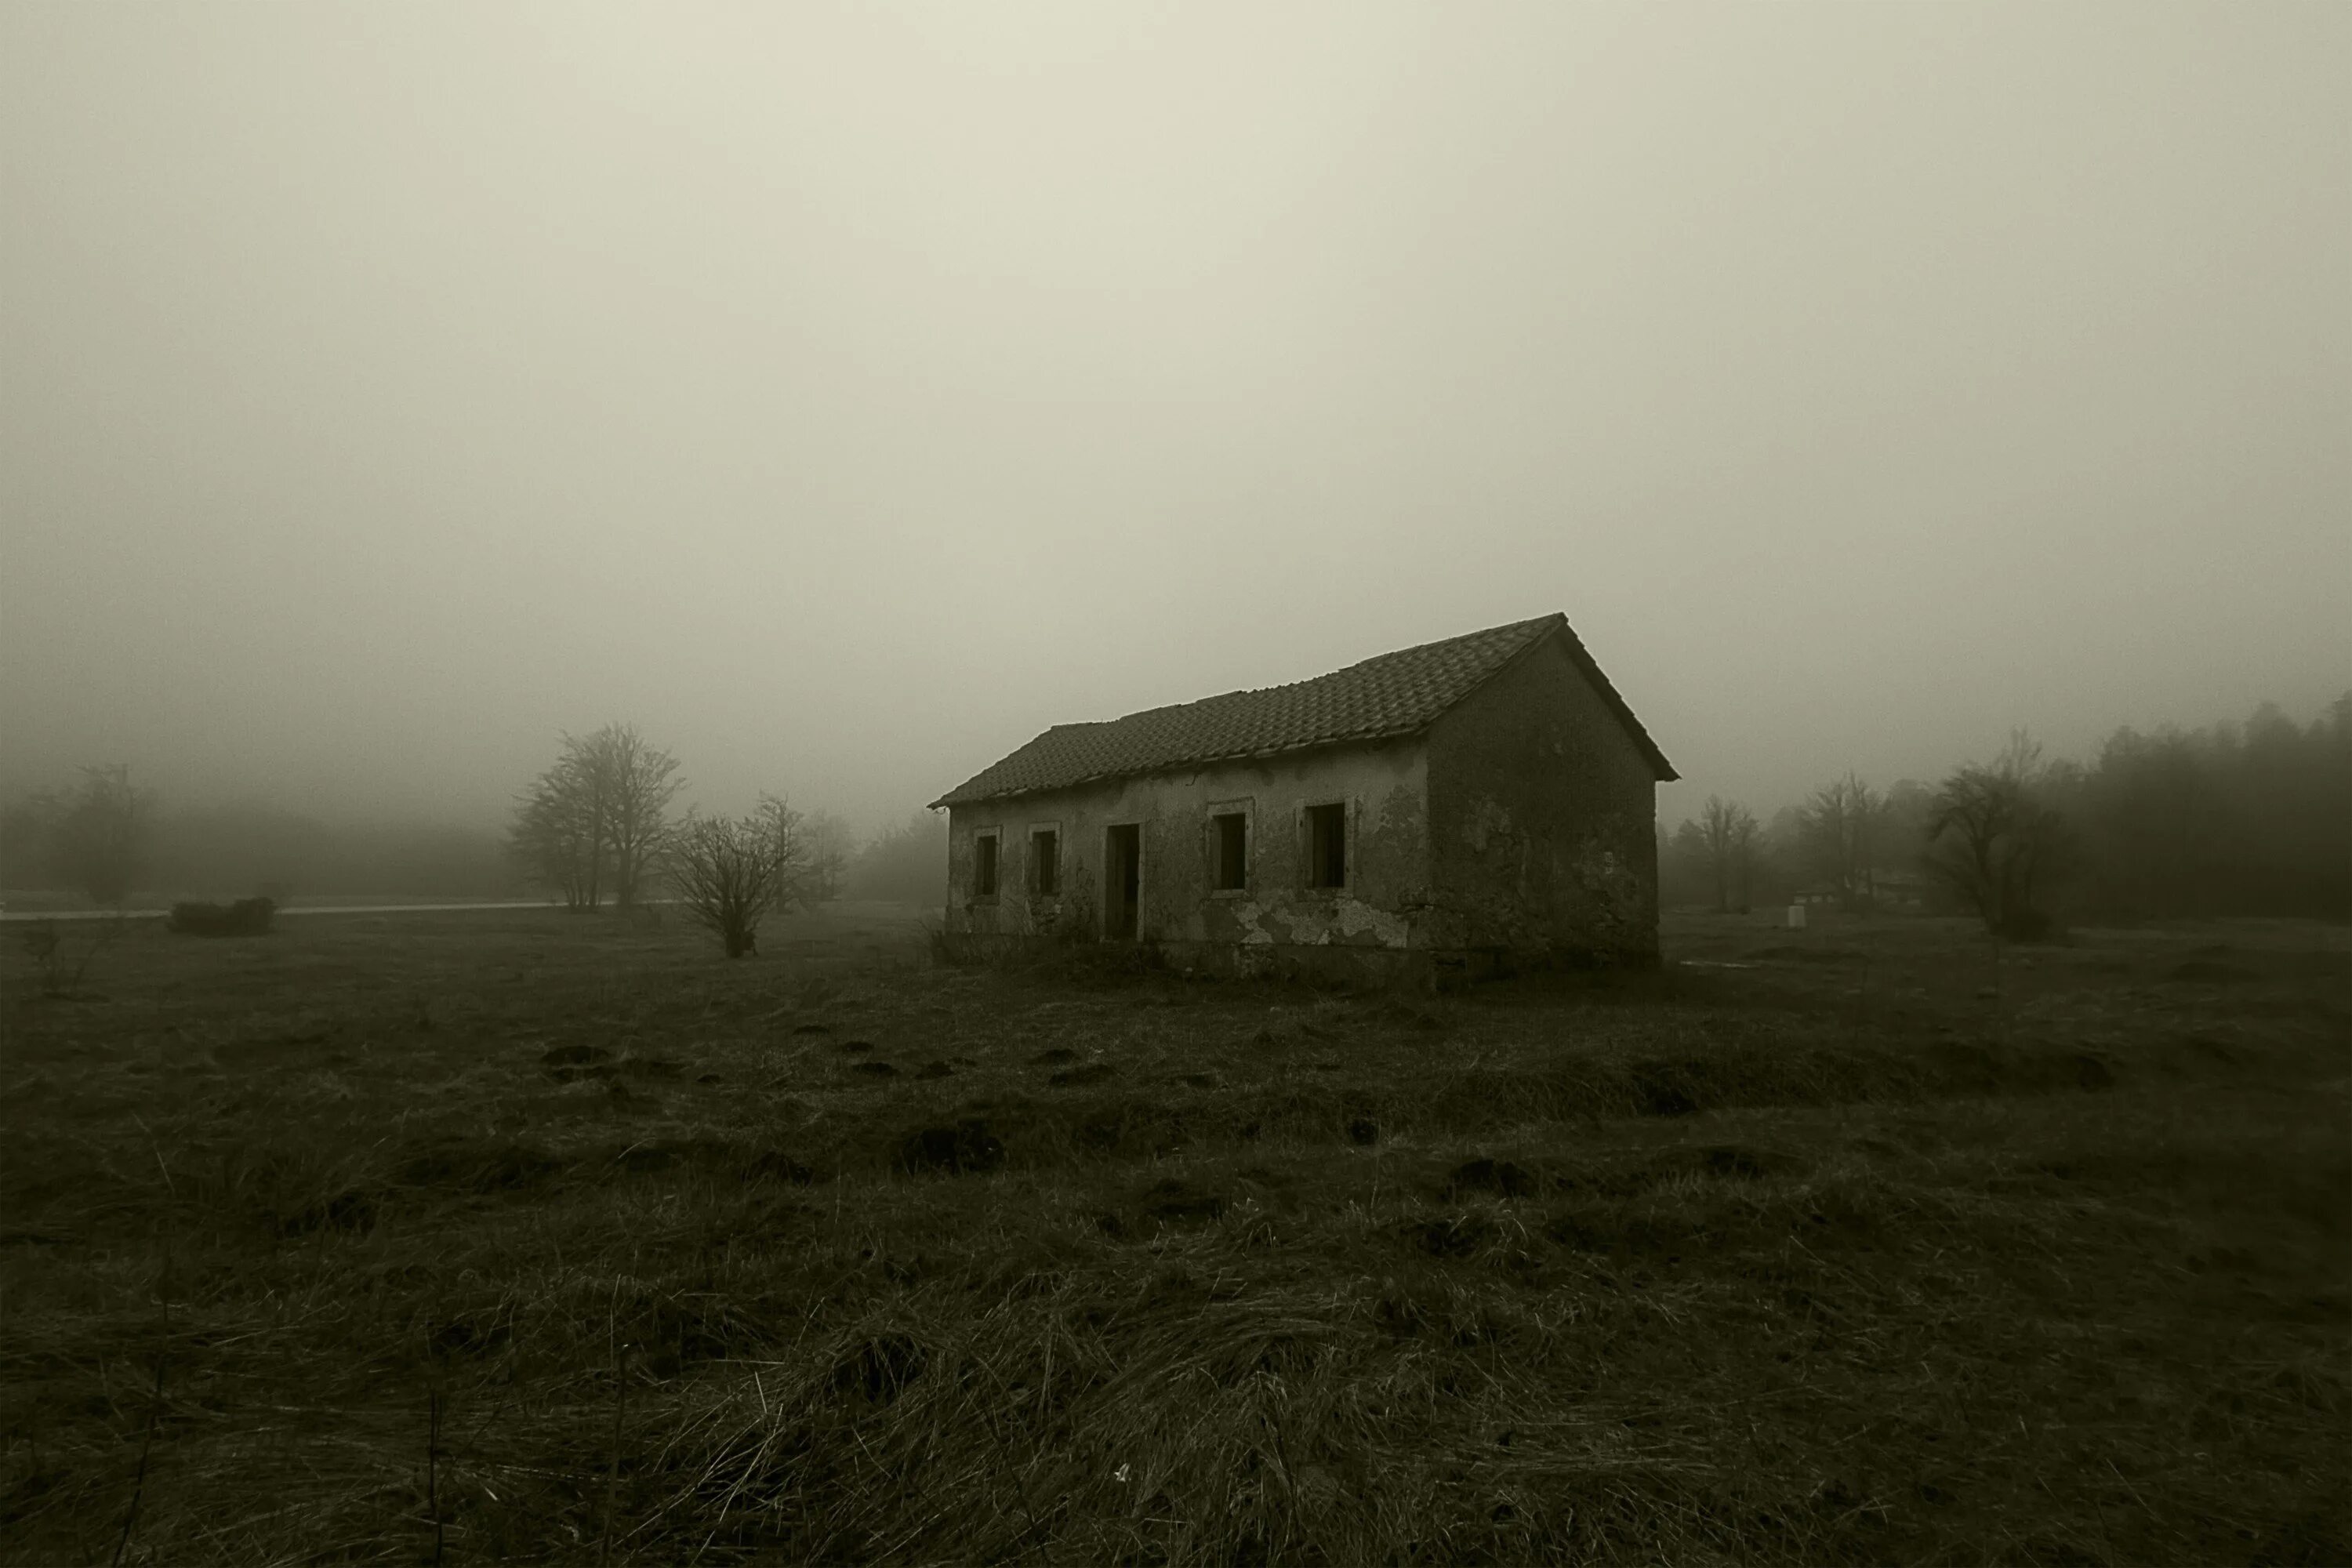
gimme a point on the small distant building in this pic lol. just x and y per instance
(1887, 892)
(1455, 807)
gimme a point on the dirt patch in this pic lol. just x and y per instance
(1174, 1202)
(472, 1333)
(496, 1168)
(967, 1148)
(1733, 1162)
(934, 1070)
(1664, 1089)
(1504, 1178)
(352, 1209)
(874, 1069)
(2209, 972)
(1136, 1129)
(1451, 1235)
(777, 1166)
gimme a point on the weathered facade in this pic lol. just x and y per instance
(1455, 807)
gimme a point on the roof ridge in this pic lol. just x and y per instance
(1368, 658)
(1398, 692)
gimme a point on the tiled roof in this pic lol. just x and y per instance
(1395, 694)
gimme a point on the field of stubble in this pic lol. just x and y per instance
(509, 1235)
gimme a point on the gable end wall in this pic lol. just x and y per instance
(1543, 820)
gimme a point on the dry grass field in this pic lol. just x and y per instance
(509, 1235)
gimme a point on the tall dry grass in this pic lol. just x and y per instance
(1756, 1265)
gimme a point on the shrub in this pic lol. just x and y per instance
(246, 917)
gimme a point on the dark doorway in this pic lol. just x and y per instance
(1122, 880)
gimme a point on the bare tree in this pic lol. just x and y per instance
(830, 845)
(94, 837)
(631, 785)
(1838, 830)
(599, 817)
(730, 871)
(1993, 840)
(1729, 832)
(557, 837)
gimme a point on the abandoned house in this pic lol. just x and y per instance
(1454, 808)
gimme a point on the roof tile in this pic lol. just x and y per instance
(1394, 694)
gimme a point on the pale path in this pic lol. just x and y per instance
(282, 910)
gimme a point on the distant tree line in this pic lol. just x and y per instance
(2231, 819)
(105, 838)
(107, 842)
(95, 836)
(595, 828)
(903, 864)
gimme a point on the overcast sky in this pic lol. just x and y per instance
(846, 393)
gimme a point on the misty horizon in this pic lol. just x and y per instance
(845, 398)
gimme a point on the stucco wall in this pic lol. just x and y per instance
(1388, 882)
(1542, 813)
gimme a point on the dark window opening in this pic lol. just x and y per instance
(984, 866)
(1122, 880)
(1044, 864)
(1326, 846)
(1232, 851)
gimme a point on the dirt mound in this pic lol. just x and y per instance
(2209, 972)
(1504, 1178)
(493, 1168)
(966, 1148)
(777, 1166)
(1175, 1202)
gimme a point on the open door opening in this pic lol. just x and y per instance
(1122, 880)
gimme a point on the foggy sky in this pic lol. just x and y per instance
(846, 393)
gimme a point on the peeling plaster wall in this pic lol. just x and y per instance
(1543, 820)
(1384, 785)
